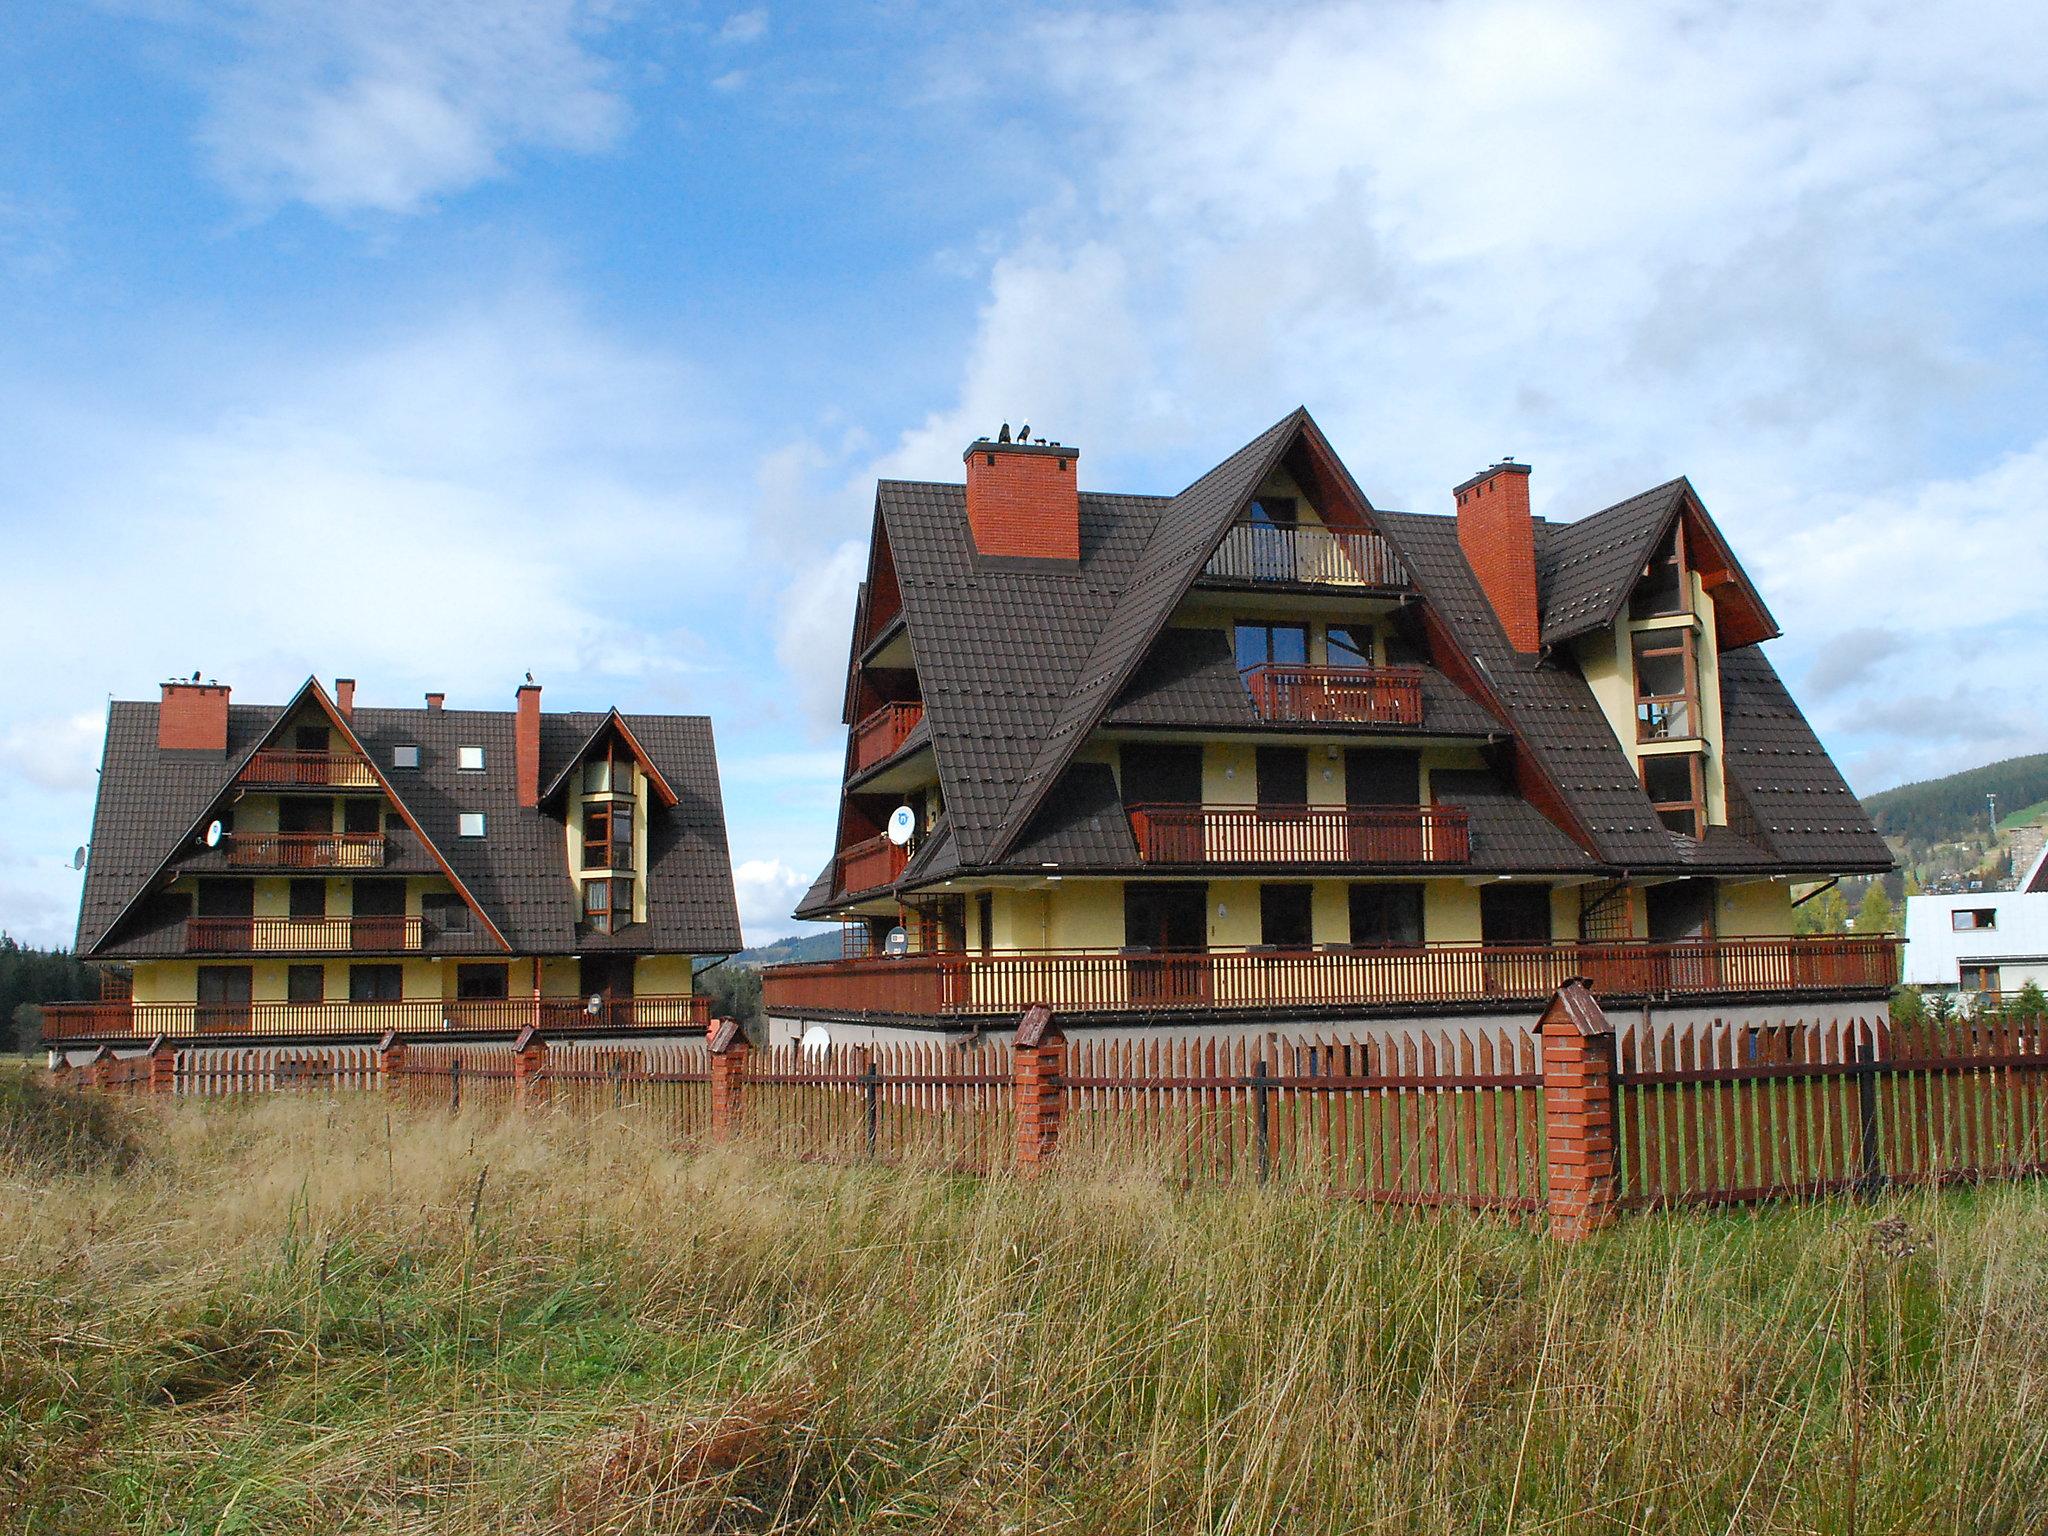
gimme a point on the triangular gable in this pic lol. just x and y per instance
(613, 721)
(311, 688)
(1185, 538)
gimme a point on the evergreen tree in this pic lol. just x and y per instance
(31, 977)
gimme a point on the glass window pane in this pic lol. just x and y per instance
(470, 759)
(1290, 644)
(1660, 665)
(1668, 779)
(1350, 645)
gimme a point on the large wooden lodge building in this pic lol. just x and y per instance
(1262, 756)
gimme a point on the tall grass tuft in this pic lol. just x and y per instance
(48, 1129)
(300, 1315)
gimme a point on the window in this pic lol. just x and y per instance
(405, 757)
(308, 898)
(1660, 589)
(1284, 921)
(608, 834)
(1667, 685)
(1280, 645)
(1973, 919)
(470, 824)
(1672, 780)
(376, 983)
(469, 759)
(225, 985)
(607, 905)
(1274, 512)
(1350, 645)
(597, 776)
(985, 920)
(361, 818)
(306, 984)
(1514, 914)
(309, 738)
(1386, 916)
(1980, 978)
(480, 983)
(445, 912)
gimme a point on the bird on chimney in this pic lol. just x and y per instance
(1004, 435)
(529, 677)
(195, 677)
(1024, 433)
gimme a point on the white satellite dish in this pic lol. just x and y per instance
(595, 1005)
(898, 941)
(902, 825)
(78, 858)
(816, 1041)
(213, 834)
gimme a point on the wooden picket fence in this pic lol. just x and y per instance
(1582, 1121)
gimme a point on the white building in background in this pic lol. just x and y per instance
(1981, 941)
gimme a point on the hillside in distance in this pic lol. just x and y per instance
(1953, 809)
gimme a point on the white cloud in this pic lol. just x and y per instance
(54, 752)
(732, 80)
(766, 889)
(748, 26)
(387, 105)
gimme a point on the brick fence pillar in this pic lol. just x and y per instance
(163, 1066)
(728, 1074)
(99, 1067)
(1578, 1112)
(530, 1069)
(1038, 1085)
(390, 1061)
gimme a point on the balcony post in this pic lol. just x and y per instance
(163, 1066)
(1038, 1072)
(530, 1069)
(728, 1074)
(1578, 1113)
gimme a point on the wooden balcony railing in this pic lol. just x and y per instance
(306, 850)
(121, 1020)
(1357, 695)
(1310, 556)
(1435, 977)
(883, 732)
(1302, 834)
(300, 935)
(871, 865)
(338, 770)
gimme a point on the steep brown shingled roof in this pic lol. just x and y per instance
(1586, 570)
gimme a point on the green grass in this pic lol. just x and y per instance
(302, 1316)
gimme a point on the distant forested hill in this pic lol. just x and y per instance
(809, 946)
(1952, 809)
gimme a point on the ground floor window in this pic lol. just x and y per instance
(1386, 916)
(1980, 978)
(376, 983)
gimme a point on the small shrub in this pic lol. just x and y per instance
(50, 1129)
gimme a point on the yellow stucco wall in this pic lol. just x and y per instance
(662, 975)
(1753, 909)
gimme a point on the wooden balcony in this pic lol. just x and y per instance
(1328, 981)
(279, 768)
(1330, 835)
(882, 734)
(412, 1016)
(871, 865)
(1260, 553)
(301, 935)
(1351, 695)
(306, 850)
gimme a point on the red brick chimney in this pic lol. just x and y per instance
(193, 717)
(345, 697)
(436, 700)
(1023, 500)
(1499, 540)
(526, 744)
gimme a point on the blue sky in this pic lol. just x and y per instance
(571, 335)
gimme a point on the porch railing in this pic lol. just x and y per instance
(300, 935)
(1302, 834)
(1425, 978)
(882, 733)
(306, 850)
(1308, 556)
(1351, 695)
(870, 865)
(339, 770)
(121, 1020)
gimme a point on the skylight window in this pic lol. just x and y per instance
(405, 757)
(470, 759)
(470, 824)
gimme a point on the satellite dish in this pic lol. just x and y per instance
(902, 825)
(78, 858)
(816, 1041)
(213, 834)
(595, 1005)
(898, 941)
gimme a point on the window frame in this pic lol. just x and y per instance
(617, 899)
(463, 763)
(295, 974)
(1987, 920)
(1240, 627)
(1351, 632)
(1682, 570)
(1655, 710)
(399, 756)
(1695, 807)
(463, 820)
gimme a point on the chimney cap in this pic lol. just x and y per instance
(1506, 466)
(991, 445)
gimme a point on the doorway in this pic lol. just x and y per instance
(1166, 931)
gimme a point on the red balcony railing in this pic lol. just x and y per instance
(306, 850)
(113, 1020)
(339, 770)
(1357, 695)
(1302, 834)
(883, 732)
(300, 935)
(871, 865)
(1308, 556)
(1429, 977)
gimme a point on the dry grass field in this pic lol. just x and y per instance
(317, 1315)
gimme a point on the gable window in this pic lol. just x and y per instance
(1271, 645)
(1973, 919)
(1667, 685)
(607, 905)
(470, 824)
(1660, 589)
(469, 759)
(1674, 783)
(309, 738)
(1350, 645)
(407, 756)
(608, 834)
